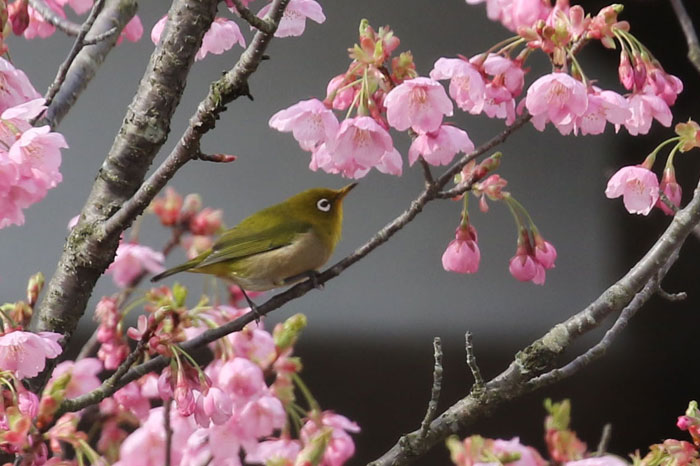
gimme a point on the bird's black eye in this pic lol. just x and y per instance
(324, 205)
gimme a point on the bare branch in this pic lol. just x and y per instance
(437, 387)
(478, 386)
(427, 173)
(673, 297)
(51, 17)
(604, 440)
(167, 407)
(258, 23)
(689, 31)
(83, 67)
(77, 47)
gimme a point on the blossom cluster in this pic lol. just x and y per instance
(564, 446)
(225, 33)
(30, 157)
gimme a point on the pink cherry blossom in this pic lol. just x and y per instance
(499, 103)
(83, 375)
(310, 122)
(525, 268)
(638, 186)
(605, 460)
(360, 144)
(157, 29)
(342, 98)
(38, 26)
(215, 407)
(603, 107)
(131, 398)
(132, 260)
(440, 147)
(462, 254)
(545, 252)
(293, 20)
(467, 85)
(242, 379)
(79, 6)
(38, 154)
(528, 455)
(132, 31)
(221, 36)
(391, 163)
(514, 14)
(341, 446)
(645, 108)
(418, 103)
(280, 451)
(663, 84)
(556, 97)
(15, 87)
(671, 189)
(25, 353)
(505, 71)
(254, 344)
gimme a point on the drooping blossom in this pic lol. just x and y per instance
(603, 107)
(15, 87)
(339, 94)
(638, 186)
(25, 353)
(221, 36)
(525, 268)
(466, 83)
(514, 14)
(645, 108)
(293, 22)
(310, 122)
(83, 376)
(38, 26)
(418, 103)
(133, 31)
(545, 252)
(132, 260)
(439, 147)
(215, 406)
(462, 254)
(557, 98)
(671, 189)
(525, 265)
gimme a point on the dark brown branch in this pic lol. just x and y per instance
(77, 47)
(231, 86)
(689, 31)
(436, 389)
(88, 249)
(110, 21)
(51, 17)
(260, 24)
(427, 173)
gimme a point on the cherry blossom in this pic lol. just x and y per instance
(221, 36)
(83, 376)
(310, 122)
(556, 97)
(25, 353)
(466, 83)
(293, 20)
(440, 147)
(340, 446)
(645, 108)
(638, 186)
(15, 87)
(132, 260)
(132, 31)
(38, 26)
(462, 254)
(418, 103)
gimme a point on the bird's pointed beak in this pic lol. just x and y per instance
(342, 192)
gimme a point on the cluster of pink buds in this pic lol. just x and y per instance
(532, 258)
(690, 421)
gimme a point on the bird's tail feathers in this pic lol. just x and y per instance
(180, 268)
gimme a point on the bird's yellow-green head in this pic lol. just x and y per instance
(322, 208)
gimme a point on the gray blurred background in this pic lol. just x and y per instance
(368, 347)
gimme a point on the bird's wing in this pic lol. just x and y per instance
(246, 240)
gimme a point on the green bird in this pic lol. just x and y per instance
(277, 246)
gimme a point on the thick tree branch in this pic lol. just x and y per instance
(84, 66)
(689, 31)
(231, 86)
(88, 251)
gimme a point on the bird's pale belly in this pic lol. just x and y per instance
(271, 269)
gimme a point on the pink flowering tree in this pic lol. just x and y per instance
(210, 383)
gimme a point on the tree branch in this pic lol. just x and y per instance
(437, 387)
(88, 250)
(51, 17)
(689, 31)
(258, 23)
(84, 66)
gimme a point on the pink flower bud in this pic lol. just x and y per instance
(625, 71)
(462, 254)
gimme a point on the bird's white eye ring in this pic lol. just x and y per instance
(324, 205)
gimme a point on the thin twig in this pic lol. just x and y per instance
(167, 406)
(673, 297)
(427, 173)
(258, 23)
(77, 46)
(689, 31)
(51, 17)
(217, 158)
(437, 387)
(604, 440)
(478, 386)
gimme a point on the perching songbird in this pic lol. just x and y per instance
(277, 246)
